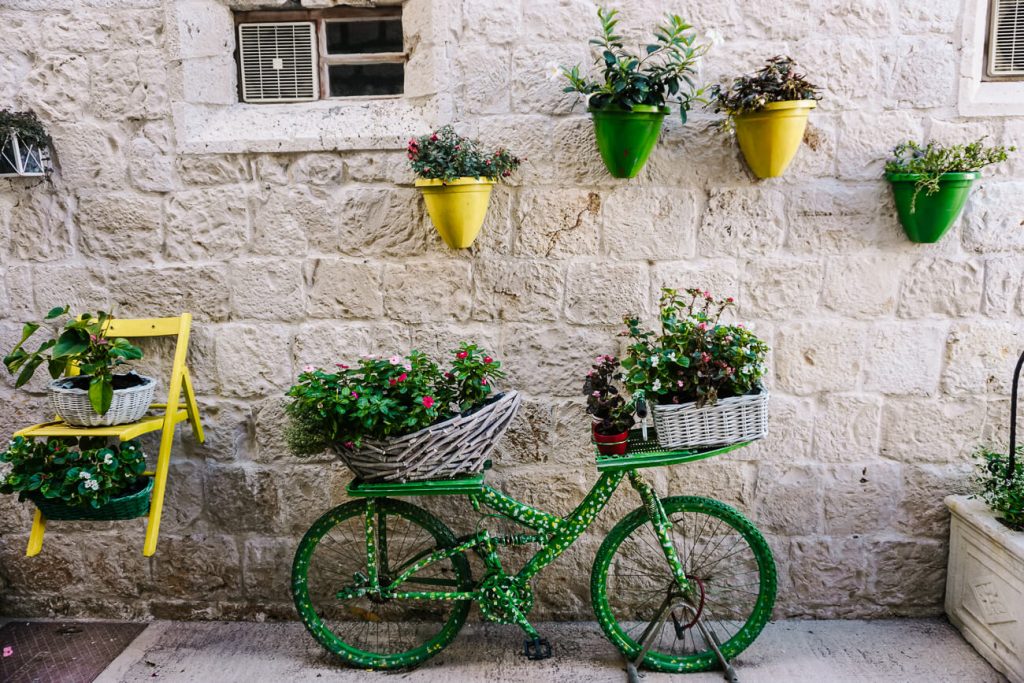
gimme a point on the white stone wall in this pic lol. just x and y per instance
(890, 360)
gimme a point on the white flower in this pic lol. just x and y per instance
(108, 458)
(713, 37)
(672, 356)
(654, 361)
(553, 71)
(656, 386)
(84, 475)
(92, 484)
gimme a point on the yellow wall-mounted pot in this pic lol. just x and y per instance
(770, 137)
(457, 207)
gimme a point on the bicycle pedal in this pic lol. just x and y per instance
(537, 648)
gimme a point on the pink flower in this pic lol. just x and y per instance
(8, 651)
(707, 294)
(342, 366)
(308, 368)
(402, 377)
(679, 383)
(349, 445)
(355, 395)
(461, 355)
(433, 137)
(702, 326)
(392, 382)
(596, 394)
(428, 401)
(395, 360)
(483, 381)
(488, 360)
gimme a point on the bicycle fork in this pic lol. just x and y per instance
(663, 532)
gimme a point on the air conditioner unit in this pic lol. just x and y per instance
(279, 62)
(1006, 38)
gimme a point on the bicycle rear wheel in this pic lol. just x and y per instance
(731, 570)
(371, 631)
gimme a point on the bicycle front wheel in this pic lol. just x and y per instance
(371, 631)
(732, 577)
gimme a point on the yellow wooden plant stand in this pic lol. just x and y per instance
(173, 414)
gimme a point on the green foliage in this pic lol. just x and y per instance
(446, 155)
(604, 400)
(81, 472)
(25, 125)
(1005, 497)
(381, 398)
(933, 160)
(695, 358)
(80, 342)
(665, 71)
(777, 81)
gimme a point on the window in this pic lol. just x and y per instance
(300, 56)
(1005, 54)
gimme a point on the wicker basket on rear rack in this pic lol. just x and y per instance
(456, 447)
(730, 420)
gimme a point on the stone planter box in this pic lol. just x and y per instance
(985, 585)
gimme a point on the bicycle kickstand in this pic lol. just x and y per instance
(712, 640)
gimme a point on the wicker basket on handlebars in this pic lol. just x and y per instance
(453, 448)
(730, 420)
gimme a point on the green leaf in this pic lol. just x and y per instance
(27, 371)
(101, 393)
(71, 343)
(57, 312)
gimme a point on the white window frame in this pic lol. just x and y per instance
(978, 95)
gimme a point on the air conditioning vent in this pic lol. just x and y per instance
(1006, 40)
(278, 62)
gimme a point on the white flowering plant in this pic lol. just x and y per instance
(85, 472)
(695, 358)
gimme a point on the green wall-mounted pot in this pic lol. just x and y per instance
(928, 217)
(625, 138)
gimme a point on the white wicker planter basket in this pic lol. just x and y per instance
(19, 158)
(729, 420)
(453, 448)
(128, 405)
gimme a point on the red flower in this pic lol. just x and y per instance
(462, 355)
(729, 300)
(428, 401)
(402, 377)
(433, 138)
(488, 360)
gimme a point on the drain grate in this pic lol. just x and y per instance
(61, 652)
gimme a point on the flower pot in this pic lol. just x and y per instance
(930, 216)
(69, 397)
(19, 158)
(985, 584)
(770, 138)
(457, 207)
(730, 420)
(625, 138)
(129, 506)
(610, 444)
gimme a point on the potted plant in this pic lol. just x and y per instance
(629, 101)
(23, 144)
(98, 396)
(768, 112)
(985, 577)
(702, 377)
(82, 478)
(456, 177)
(402, 418)
(930, 184)
(612, 413)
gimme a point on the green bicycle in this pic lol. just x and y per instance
(680, 584)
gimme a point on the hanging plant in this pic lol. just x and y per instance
(768, 112)
(630, 99)
(456, 176)
(931, 184)
(23, 144)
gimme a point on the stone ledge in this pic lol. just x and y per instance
(981, 518)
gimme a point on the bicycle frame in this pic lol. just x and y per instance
(555, 535)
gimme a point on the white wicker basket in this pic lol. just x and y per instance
(128, 405)
(729, 420)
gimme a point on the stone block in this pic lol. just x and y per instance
(380, 222)
(779, 288)
(251, 360)
(205, 224)
(433, 290)
(867, 138)
(907, 358)
(267, 568)
(205, 29)
(118, 226)
(319, 169)
(789, 497)
(980, 357)
(861, 498)
(345, 289)
(846, 428)
(862, 286)
(746, 221)
(649, 223)
(488, 74)
(942, 287)
(203, 291)
(605, 293)
(198, 566)
(150, 166)
(128, 85)
(823, 356)
(53, 88)
(991, 219)
(921, 511)
(517, 290)
(241, 499)
(289, 219)
(40, 227)
(223, 169)
(558, 223)
(909, 575)
(827, 218)
(919, 71)
(552, 359)
(719, 276)
(831, 574)
(88, 155)
(928, 430)
(325, 343)
(267, 290)
(1004, 276)
(533, 90)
